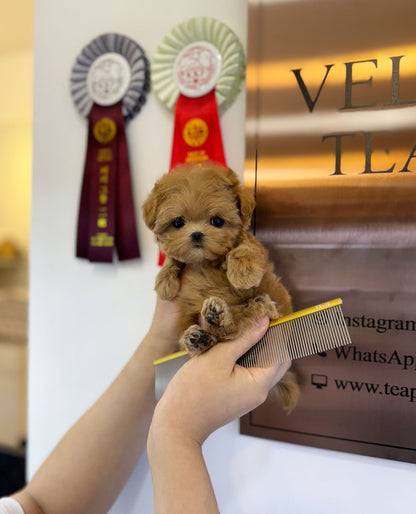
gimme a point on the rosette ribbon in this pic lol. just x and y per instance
(108, 83)
(197, 70)
(197, 134)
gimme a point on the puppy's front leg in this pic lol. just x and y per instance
(245, 267)
(168, 279)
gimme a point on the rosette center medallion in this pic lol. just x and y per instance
(197, 69)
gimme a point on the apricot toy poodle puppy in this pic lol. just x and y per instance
(220, 273)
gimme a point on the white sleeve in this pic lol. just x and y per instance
(10, 506)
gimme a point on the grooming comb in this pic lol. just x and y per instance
(306, 332)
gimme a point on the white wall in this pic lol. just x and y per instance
(86, 319)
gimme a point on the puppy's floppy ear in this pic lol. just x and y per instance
(151, 207)
(245, 199)
(246, 205)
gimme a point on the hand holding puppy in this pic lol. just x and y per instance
(227, 389)
(206, 393)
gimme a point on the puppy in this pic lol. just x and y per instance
(220, 273)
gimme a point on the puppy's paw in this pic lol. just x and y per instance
(269, 306)
(215, 313)
(244, 268)
(196, 341)
(167, 283)
(263, 305)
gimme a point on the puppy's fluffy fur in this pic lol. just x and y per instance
(219, 272)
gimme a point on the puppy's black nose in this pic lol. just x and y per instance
(197, 236)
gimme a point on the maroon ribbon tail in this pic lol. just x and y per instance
(126, 231)
(106, 213)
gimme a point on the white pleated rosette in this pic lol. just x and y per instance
(194, 30)
(117, 58)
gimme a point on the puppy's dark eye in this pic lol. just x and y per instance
(216, 221)
(178, 222)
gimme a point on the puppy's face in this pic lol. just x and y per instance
(197, 213)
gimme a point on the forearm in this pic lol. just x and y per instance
(91, 464)
(207, 392)
(181, 482)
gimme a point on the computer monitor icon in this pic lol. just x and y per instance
(319, 381)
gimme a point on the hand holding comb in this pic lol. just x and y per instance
(300, 334)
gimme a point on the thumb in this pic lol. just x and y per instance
(247, 339)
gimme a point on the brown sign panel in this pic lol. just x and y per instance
(331, 113)
(359, 398)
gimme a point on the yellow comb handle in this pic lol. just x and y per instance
(306, 312)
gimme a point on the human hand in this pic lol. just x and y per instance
(163, 333)
(210, 390)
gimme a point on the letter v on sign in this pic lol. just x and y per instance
(309, 102)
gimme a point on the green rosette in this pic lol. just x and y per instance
(193, 30)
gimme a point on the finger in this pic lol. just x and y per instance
(233, 350)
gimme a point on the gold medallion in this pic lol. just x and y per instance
(105, 130)
(195, 132)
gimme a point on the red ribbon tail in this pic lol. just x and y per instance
(162, 258)
(197, 132)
